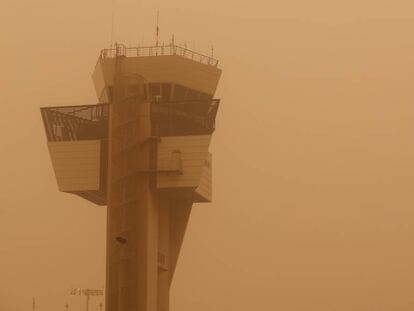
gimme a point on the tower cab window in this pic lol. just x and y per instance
(155, 91)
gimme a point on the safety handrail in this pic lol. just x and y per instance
(161, 50)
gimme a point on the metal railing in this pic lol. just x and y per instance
(180, 118)
(162, 50)
(68, 123)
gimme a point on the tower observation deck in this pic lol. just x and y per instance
(143, 152)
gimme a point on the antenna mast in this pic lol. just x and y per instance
(112, 23)
(112, 29)
(158, 28)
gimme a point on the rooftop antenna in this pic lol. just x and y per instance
(112, 29)
(112, 23)
(158, 28)
(34, 304)
(212, 51)
(172, 40)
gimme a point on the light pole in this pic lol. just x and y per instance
(87, 293)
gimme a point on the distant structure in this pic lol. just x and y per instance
(143, 152)
(87, 292)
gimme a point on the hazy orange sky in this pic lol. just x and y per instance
(313, 153)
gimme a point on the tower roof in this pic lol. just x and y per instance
(170, 64)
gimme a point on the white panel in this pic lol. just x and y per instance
(193, 149)
(76, 164)
(99, 81)
(205, 187)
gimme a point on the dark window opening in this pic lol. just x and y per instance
(191, 94)
(179, 92)
(183, 117)
(166, 92)
(155, 91)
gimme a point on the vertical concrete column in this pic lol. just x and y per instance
(132, 216)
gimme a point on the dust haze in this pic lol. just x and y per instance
(313, 153)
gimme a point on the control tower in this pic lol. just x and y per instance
(143, 152)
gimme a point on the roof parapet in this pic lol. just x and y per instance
(162, 50)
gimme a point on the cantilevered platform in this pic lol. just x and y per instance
(78, 143)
